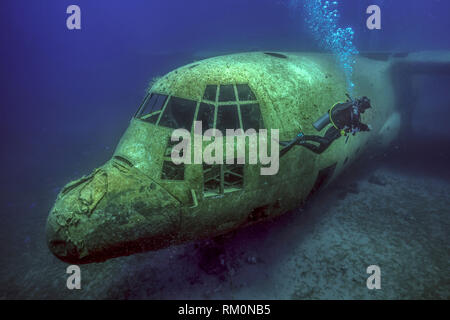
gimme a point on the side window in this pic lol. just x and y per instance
(233, 177)
(211, 179)
(222, 178)
(178, 114)
(152, 107)
(170, 170)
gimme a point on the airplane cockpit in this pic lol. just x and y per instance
(224, 106)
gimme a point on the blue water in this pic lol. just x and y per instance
(67, 96)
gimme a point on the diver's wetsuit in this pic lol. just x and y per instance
(345, 117)
(348, 116)
(324, 142)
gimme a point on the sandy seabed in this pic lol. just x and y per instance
(396, 220)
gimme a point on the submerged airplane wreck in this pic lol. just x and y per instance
(140, 200)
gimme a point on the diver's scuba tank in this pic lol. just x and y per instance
(325, 120)
(322, 122)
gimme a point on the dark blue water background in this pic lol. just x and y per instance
(67, 96)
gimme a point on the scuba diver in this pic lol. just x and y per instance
(345, 118)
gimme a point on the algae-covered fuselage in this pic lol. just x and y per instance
(139, 200)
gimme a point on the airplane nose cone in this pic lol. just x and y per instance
(66, 223)
(110, 214)
(60, 246)
(62, 238)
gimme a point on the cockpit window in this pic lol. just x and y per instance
(227, 93)
(178, 114)
(251, 116)
(210, 93)
(235, 105)
(152, 107)
(227, 118)
(245, 93)
(170, 170)
(222, 178)
(206, 116)
(223, 106)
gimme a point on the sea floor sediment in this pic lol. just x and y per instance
(396, 220)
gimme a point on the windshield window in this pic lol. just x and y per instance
(152, 107)
(210, 93)
(245, 93)
(227, 118)
(227, 93)
(206, 116)
(178, 114)
(224, 106)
